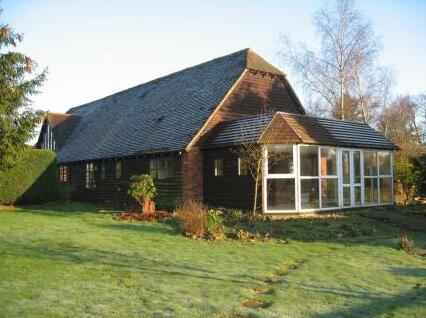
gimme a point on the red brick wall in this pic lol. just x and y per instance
(192, 175)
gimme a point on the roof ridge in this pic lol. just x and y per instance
(333, 119)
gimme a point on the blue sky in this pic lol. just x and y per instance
(95, 48)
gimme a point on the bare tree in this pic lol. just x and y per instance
(251, 151)
(400, 123)
(345, 64)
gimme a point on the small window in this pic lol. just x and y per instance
(118, 169)
(63, 174)
(309, 161)
(218, 167)
(242, 167)
(103, 173)
(153, 168)
(280, 159)
(161, 169)
(90, 176)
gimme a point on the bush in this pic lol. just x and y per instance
(143, 190)
(192, 217)
(406, 243)
(407, 176)
(419, 164)
(33, 178)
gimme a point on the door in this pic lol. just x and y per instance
(351, 177)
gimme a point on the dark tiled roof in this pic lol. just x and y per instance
(309, 129)
(158, 116)
(62, 126)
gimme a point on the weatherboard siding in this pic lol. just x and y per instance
(256, 91)
(114, 191)
(229, 190)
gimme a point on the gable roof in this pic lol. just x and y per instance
(62, 126)
(159, 116)
(307, 129)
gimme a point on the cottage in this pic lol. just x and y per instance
(182, 129)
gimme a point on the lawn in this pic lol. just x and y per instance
(72, 261)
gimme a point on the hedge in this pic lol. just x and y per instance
(31, 180)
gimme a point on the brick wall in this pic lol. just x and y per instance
(192, 175)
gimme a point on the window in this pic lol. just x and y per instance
(309, 175)
(218, 167)
(153, 168)
(328, 162)
(90, 176)
(162, 168)
(242, 167)
(385, 174)
(370, 177)
(308, 160)
(377, 177)
(103, 170)
(280, 182)
(63, 174)
(328, 175)
(48, 139)
(118, 169)
(280, 159)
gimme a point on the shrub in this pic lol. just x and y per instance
(407, 176)
(143, 190)
(192, 217)
(33, 178)
(406, 243)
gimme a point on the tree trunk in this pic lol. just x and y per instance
(256, 186)
(342, 98)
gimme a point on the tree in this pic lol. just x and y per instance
(251, 152)
(143, 190)
(344, 69)
(17, 85)
(399, 122)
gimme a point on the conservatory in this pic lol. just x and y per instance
(307, 178)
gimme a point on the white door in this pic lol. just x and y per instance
(351, 177)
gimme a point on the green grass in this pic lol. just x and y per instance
(69, 261)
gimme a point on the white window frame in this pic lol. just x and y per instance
(239, 168)
(216, 168)
(267, 176)
(339, 177)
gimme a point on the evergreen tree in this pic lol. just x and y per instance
(17, 84)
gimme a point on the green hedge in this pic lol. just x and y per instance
(31, 180)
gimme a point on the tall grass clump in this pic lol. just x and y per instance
(192, 217)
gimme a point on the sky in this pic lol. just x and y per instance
(96, 48)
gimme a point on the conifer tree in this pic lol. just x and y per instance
(18, 83)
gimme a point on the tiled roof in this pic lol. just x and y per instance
(308, 129)
(158, 116)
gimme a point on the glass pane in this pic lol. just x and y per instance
(309, 193)
(242, 167)
(370, 190)
(280, 159)
(384, 163)
(346, 196)
(280, 194)
(329, 193)
(357, 192)
(218, 167)
(328, 162)
(161, 168)
(370, 163)
(357, 166)
(346, 167)
(309, 161)
(385, 190)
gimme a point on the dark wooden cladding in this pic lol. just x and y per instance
(113, 190)
(229, 190)
(255, 92)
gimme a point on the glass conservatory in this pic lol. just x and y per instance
(308, 178)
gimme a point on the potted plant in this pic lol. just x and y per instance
(143, 190)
